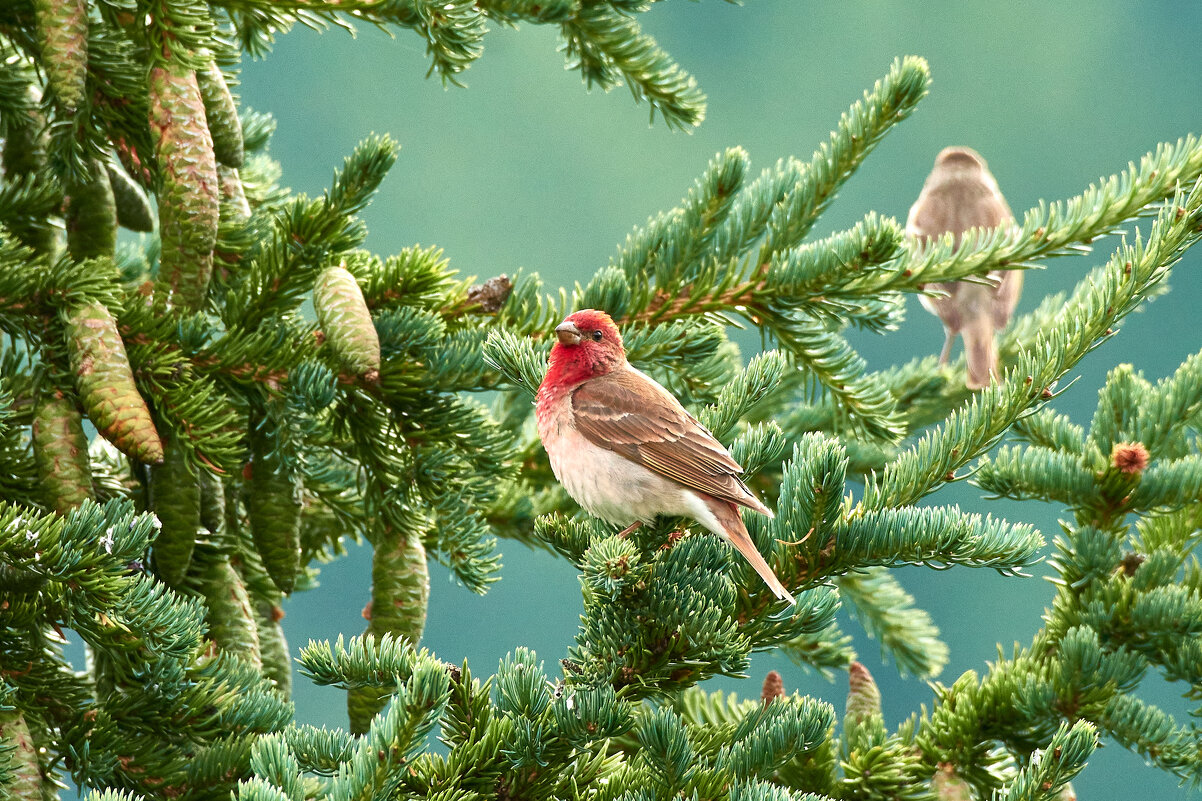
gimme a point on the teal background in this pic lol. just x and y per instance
(525, 170)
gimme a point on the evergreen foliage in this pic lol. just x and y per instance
(240, 442)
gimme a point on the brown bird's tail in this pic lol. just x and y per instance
(736, 534)
(980, 351)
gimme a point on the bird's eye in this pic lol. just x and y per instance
(596, 336)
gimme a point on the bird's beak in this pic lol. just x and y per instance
(568, 333)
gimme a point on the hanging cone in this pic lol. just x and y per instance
(274, 508)
(133, 207)
(277, 664)
(19, 758)
(63, 34)
(175, 498)
(231, 616)
(188, 199)
(400, 594)
(91, 215)
(26, 136)
(106, 383)
(60, 449)
(222, 115)
(133, 161)
(26, 139)
(212, 503)
(233, 196)
(774, 687)
(948, 786)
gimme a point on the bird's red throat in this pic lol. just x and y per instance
(571, 364)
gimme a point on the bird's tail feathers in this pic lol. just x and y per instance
(980, 351)
(736, 534)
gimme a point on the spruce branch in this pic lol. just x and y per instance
(1050, 430)
(30, 287)
(922, 389)
(511, 12)
(888, 614)
(318, 750)
(273, 763)
(363, 430)
(1174, 406)
(1116, 611)
(891, 100)
(178, 31)
(305, 235)
(1036, 472)
(828, 651)
(607, 46)
(1056, 765)
(362, 662)
(1109, 294)
(933, 537)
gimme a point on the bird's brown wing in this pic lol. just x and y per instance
(630, 414)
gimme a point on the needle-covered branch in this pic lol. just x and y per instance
(280, 438)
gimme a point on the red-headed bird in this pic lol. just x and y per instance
(626, 450)
(959, 194)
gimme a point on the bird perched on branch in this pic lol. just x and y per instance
(626, 450)
(959, 194)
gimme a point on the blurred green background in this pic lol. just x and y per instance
(525, 170)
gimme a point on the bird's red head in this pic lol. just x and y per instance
(588, 345)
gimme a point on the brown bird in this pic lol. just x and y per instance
(959, 194)
(626, 450)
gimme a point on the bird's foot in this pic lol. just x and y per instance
(800, 541)
(624, 532)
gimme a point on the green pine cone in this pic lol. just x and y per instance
(26, 136)
(863, 697)
(274, 508)
(188, 195)
(175, 498)
(231, 615)
(234, 206)
(273, 648)
(224, 123)
(63, 34)
(346, 322)
(212, 503)
(363, 704)
(400, 594)
(92, 216)
(400, 586)
(133, 207)
(18, 757)
(60, 449)
(106, 383)
(26, 139)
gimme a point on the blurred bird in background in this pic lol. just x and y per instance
(959, 194)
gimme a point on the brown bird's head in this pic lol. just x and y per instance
(960, 193)
(588, 345)
(960, 158)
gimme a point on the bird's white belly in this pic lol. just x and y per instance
(606, 484)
